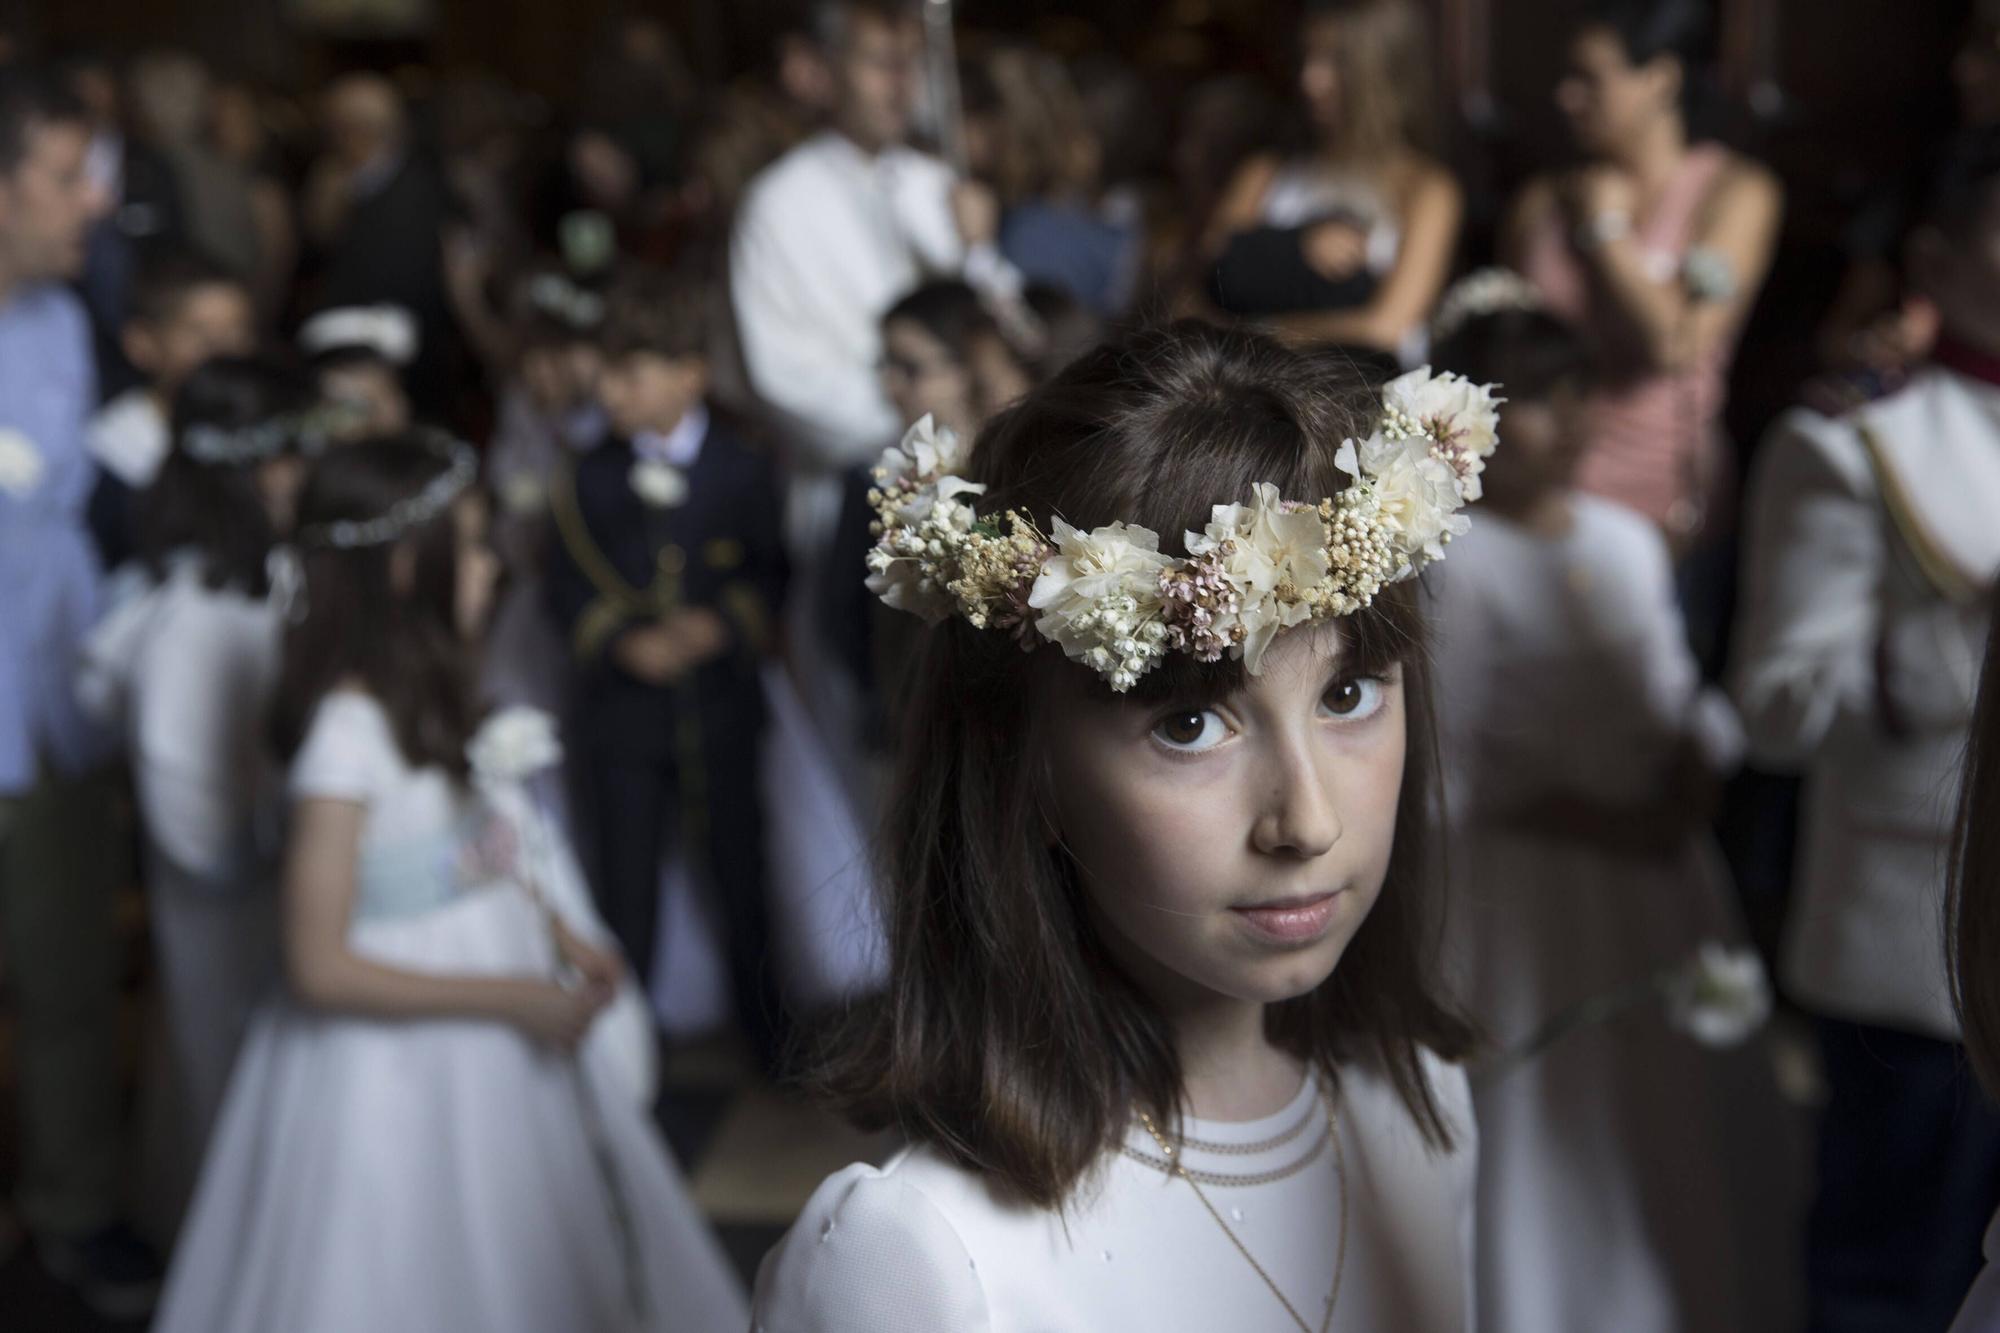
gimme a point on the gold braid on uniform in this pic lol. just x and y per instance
(617, 602)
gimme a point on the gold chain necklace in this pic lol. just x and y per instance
(1175, 1167)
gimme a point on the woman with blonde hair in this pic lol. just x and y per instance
(1350, 241)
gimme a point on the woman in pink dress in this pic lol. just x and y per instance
(1656, 245)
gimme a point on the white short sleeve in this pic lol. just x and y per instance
(870, 1254)
(349, 752)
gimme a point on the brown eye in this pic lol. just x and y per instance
(1354, 698)
(1189, 730)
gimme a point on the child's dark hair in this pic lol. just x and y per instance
(657, 311)
(949, 310)
(1531, 352)
(1009, 1039)
(402, 646)
(166, 281)
(1069, 327)
(1680, 29)
(1960, 183)
(211, 506)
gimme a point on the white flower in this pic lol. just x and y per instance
(658, 484)
(1462, 417)
(1720, 996)
(924, 468)
(1417, 495)
(1272, 557)
(513, 744)
(924, 521)
(1099, 594)
(21, 465)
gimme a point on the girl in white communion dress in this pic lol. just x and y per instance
(426, 1132)
(1160, 1026)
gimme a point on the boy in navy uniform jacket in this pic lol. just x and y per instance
(667, 577)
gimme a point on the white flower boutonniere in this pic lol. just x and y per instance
(658, 484)
(21, 465)
(513, 745)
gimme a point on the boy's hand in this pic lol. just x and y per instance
(701, 634)
(662, 653)
(651, 653)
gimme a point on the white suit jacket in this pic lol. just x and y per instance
(1873, 540)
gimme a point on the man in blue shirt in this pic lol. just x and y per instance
(57, 864)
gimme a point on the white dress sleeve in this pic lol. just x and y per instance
(1460, 664)
(349, 753)
(1667, 678)
(870, 1254)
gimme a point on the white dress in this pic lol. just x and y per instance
(185, 672)
(437, 1174)
(1629, 1178)
(922, 1245)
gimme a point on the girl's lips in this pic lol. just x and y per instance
(1293, 920)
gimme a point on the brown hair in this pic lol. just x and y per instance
(1008, 1038)
(1385, 75)
(403, 645)
(658, 312)
(1972, 885)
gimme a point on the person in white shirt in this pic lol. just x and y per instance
(1872, 553)
(829, 236)
(1161, 1025)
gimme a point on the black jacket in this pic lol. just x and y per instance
(619, 563)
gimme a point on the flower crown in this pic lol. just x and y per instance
(412, 511)
(308, 432)
(1483, 292)
(1117, 604)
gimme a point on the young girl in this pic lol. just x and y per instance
(1628, 1177)
(1159, 1024)
(411, 1139)
(185, 665)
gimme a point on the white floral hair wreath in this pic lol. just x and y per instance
(1117, 604)
(307, 432)
(1486, 291)
(460, 471)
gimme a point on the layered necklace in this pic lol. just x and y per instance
(1172, 1161)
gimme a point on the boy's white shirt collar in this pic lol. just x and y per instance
(679, 447)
